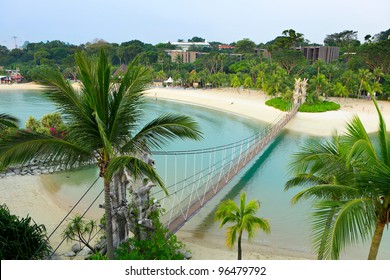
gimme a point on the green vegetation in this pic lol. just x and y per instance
(279, 103)
(285, 105)
(243, 218)
(347, 178)
(21, 239)
(162, 245)
(50, 124)
(81, 231)
(319, 107)
(102, 126)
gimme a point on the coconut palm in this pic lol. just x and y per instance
(102, 120)
(374, 178)
(330, 182)
(349, 180)
(243, 218)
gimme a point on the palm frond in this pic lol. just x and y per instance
(20, 147)
(325, 192)
(384, 143)
(8, 121)
(354, 221)
(137, 168)
(163, 129)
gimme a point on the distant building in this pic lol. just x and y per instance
(12, 76)
(263, 53)
(325, 53)
(184, 56)
(185, 46)
(225, 47)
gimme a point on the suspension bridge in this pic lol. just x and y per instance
(196, 176)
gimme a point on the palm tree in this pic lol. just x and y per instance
(243, 218)
(102, 120)
(374, 180)
(330, 184)
(364, 76)
(350, 183)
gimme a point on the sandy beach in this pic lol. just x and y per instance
(29, 195)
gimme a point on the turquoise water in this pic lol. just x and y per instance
(263, 179)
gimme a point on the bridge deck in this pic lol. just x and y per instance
(177, 222)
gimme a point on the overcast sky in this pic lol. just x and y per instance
(154, 21)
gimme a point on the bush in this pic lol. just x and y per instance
(319, 107)
(279, 103)
(162, 246)
(21, 239)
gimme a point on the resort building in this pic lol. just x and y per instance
(184, 56)
(225, 47)
(12, 76)
(185, 46)
(325, 53)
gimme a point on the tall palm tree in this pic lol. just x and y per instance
(373, 159)
(243, 218)
(330, 182)
(364, 76)
(349, 180)
(102, 120)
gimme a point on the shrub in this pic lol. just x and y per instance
(279, 103)
(21, 239)
(161, 246)
(319, 107)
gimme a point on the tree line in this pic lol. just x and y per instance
(271, 67)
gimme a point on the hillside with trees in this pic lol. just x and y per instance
(362, 68)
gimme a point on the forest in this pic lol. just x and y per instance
(362, 68)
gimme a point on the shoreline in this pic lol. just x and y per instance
(31, 195)
(251, 104)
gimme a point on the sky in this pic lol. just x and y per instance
(154, 21)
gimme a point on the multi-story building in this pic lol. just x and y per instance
(184, 56)
(325, 53)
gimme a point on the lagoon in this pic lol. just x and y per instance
(263, 179)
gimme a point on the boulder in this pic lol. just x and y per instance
(76, 248)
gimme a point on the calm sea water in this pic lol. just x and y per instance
(263, 179)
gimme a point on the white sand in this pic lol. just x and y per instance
(30, 195)
(252, 104)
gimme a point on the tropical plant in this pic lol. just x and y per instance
(162, 245)
(348, 179)
(7, 121)
(21, 238)
(80, 230)
(243, 218)
(102, 120)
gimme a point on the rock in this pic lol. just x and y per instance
(17, 171)
(37, 172)
(70, 254)
(84, 252)
(76, 248)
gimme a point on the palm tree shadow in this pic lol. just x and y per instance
(208, 221)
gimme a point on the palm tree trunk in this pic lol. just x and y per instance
(109, 235)
(376, 240)
(239, 247)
